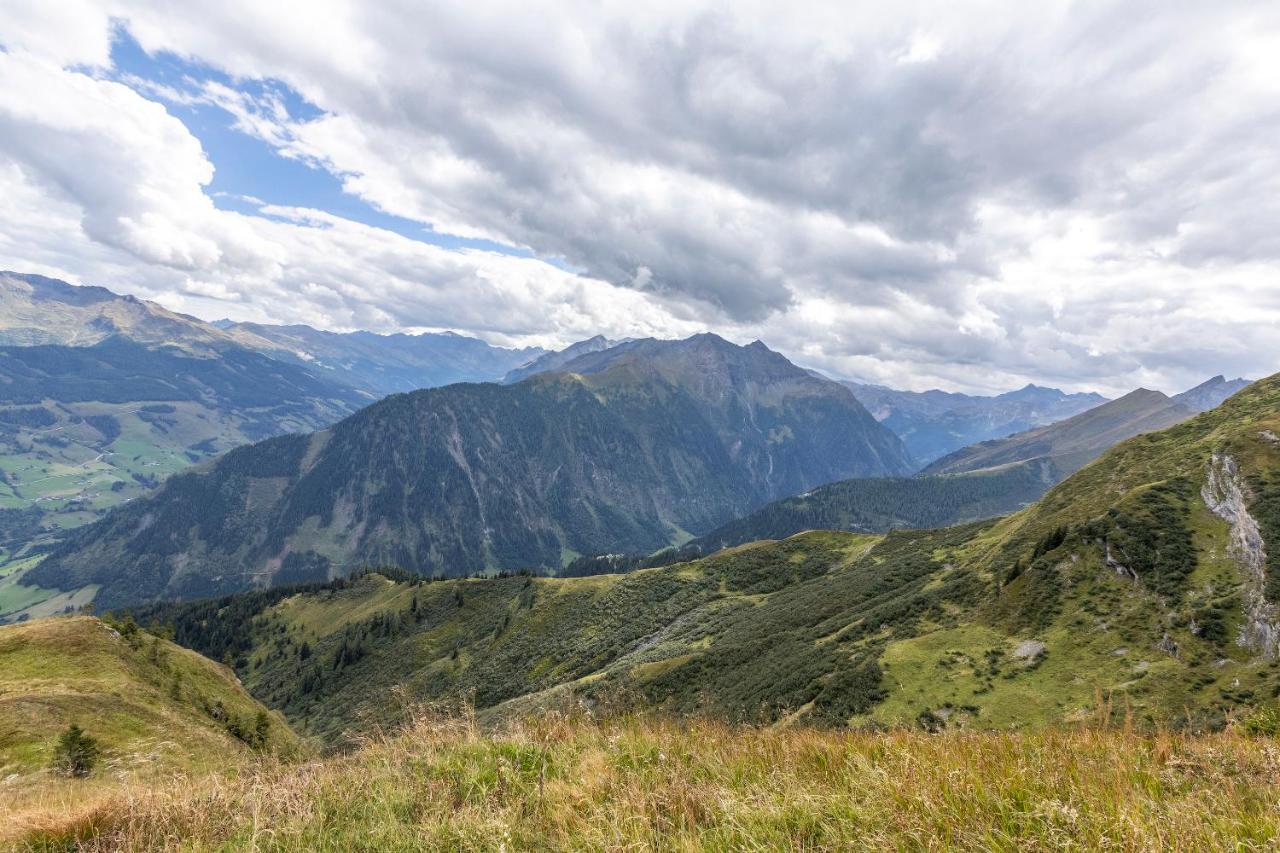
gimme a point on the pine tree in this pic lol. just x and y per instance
(77, 753)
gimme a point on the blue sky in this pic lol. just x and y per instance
(249, 168)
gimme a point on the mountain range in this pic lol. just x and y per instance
(630, 448)
(1071, 443)
(935, 423)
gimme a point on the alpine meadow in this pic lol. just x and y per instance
(708, 426)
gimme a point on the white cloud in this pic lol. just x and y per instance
(973, 197)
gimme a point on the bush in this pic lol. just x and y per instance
(76, 754)
(1263, 722)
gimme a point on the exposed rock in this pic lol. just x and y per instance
(1028, 650)
(1117, 566)
(1224, 495)
(1169, 646)
(1270, 437)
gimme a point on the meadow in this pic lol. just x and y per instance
(566, 781)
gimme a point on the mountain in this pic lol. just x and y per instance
(35, 309)
(1071, 443)
(103, 396)
(86, 428)
(935, 423)
(632, 448)
(882, 504)
(1210, 393)
(155, 709)
(1144, 589)
(385, 364)
(551, 361)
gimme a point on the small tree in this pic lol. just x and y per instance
(77, 753)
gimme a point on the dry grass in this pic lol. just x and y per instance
(642, 783)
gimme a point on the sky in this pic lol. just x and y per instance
(967, 196)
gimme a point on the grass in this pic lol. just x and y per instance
(563, 781)
(149, 703)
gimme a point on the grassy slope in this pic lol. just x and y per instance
(143, 699)
(565, 783)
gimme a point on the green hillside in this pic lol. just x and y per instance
(1121, 584)
(156, 710)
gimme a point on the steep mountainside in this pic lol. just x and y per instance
(85, 428)
(386, 364)
(1143, 584)
(934, 423)
(552, 361)
(1075, 441)
(1210, 393)
(628, 454)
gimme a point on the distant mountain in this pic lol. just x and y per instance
(550, 361)
(84, 428)
(1211, 393)
(35, 309)
(385, 364)
(888, 503)
(1071, 443)
(629, 449)
(102, 396)
(934, 423)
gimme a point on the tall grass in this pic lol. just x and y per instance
(563, 781)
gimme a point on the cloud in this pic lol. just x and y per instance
(972, 197)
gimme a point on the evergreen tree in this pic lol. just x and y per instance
(77, 753)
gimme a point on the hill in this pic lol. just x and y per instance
(1073, 442)
(632, 451)
(156, 710)
(935, 423)
(1140, 585)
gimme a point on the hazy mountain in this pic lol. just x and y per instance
(1210, 393)
(555, 360)
(35, 309)
(630, 449)
(387, 364)
(39, 310)
(1073, 442)
(934, 423)
(1143, 589)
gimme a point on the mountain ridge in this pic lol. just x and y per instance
(631, 453)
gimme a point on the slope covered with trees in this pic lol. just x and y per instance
(641, 447)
